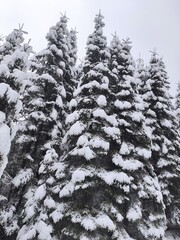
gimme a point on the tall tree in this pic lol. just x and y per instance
(162, 125)
(141, 202)
(88, 209)
(46, 103)
(14, 56)
(14, 65)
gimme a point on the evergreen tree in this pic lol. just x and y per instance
(13, 74)
(88, 207)
(177, 104)
(100, 164)
(73, 58)
(14, 65)
(46, 103)
(141, 203)
(162, 126)
(140, 75)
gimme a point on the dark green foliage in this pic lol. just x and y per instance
(162, 125)
(133, 152)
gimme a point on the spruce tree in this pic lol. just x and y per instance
(177, 104)
(140, 75)
(46, 103)
(14, 56)
(73, 59)
(162, 130)
(88, 207)
(141, 203)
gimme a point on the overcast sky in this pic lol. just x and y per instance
(148, 23)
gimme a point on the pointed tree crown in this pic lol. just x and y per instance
(96, 44)
(13, 41)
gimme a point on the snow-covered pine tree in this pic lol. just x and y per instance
(89, 187)
(12, 42)
(177, 105)
(140, 200)
(46, 102)
(14, 64)
(141, 77)
(14, 56)
(161, 123)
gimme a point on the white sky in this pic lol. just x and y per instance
(148, 23)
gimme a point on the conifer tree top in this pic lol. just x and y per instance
(56, 32)
(73, 46)
(11, 43)
(140, 63)
(96, 44)
(158, 72)
(99, 21)
(122, 62)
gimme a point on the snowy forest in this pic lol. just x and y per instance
(89, 150)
